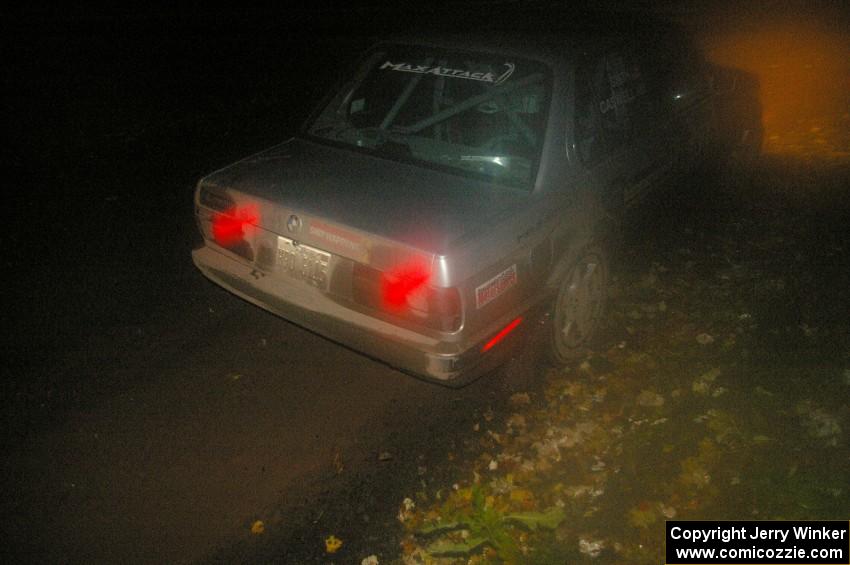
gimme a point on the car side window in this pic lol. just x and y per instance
(621, 91)
(610, 97)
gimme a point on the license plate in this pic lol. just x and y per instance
(303, 262)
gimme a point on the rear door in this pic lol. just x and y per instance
(621, 127)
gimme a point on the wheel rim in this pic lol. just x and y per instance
(580, 303)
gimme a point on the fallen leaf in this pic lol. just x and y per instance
(705, 339)
(332, 544)
(405, 513)
(693, 473)
(591, 548)
(702, 384)
(819, 423)
(572, 389)
(650, 398)
(516, 421)
(642, 516)
(520, 399)
(258, 527)
(523, 497)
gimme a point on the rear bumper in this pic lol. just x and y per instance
(452, 363)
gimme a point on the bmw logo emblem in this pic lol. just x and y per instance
(293, 224)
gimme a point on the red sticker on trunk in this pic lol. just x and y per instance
(337, 240)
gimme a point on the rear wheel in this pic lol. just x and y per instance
(579, 306)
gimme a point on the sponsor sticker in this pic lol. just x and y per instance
(495, 287)
(451, 73)
(337, 240)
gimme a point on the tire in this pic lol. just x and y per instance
(579, 307)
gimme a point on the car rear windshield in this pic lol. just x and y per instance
(476, 114)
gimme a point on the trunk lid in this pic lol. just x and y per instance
(354, 204)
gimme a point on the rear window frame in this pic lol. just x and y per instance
(350, 76)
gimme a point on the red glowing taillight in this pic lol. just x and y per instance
(404, 292)
(231, 228)
(503, 333)
(228, 228)
(400, 286)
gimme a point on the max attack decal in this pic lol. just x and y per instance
(495, 287)
(452, 73)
